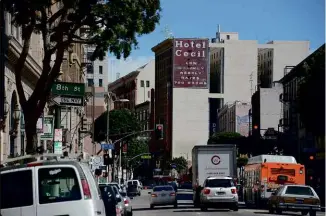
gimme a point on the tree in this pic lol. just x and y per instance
(242, 160)
(112, 26)
(180, 162)
(121, 123)
(225, 137)
(311, 100)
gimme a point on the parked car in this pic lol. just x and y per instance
(127, 201)
(163, 196)
(219, 192)
(294, 198)
(47, 188)
(119, 199)
(111, 201)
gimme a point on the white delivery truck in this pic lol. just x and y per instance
(209, 161)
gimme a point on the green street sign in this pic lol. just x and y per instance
(146, 157)
(65, 88)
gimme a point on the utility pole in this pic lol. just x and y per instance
(109, 167)
(251, 83)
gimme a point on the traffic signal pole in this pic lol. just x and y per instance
(108, 167)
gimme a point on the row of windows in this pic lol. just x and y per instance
(90, 69)
(90, 82)
(142, 83)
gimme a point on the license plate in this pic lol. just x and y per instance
(163, 195)
(220, 193)
(299, 201)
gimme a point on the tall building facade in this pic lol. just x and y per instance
(12, 135)
(181, 95)
(239, 67)
(266, 110)
(235, 118)
(96, 82)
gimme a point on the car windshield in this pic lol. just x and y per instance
(219, 183)
(164, 188)
(295, 190)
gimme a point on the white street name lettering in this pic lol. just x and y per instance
(71, 100)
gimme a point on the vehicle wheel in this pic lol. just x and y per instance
(270, 210)
(152, 206)
(235, 208)
(278, 211)
(203, 208)
(130, 213)
(175, 205)
(304, 212)
(312, 213)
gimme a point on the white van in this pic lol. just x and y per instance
(47, 188)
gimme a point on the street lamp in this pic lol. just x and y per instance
(108, 98)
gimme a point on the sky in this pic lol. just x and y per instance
(260, 20)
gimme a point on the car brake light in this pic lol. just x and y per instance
(86, 190)
(126, 201)
(34, 164)
(206, 191)
(172, 194)
(154, 195)
(233, 191)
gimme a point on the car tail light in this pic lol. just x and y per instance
(154, 195)
(172, 194)
(233, 191)
(126, 201)
(206, 191)
(34, 164)
(86, 189)
(117, 211)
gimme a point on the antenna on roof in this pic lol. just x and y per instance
(167, 32)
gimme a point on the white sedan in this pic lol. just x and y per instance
(163, 196)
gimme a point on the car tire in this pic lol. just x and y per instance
(312, 213)
(278, 211)
(271, 210)
(151, 206)
(203, 208)
(130, 213)
(175, 205)
(235, 208)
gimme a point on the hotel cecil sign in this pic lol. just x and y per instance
(190, 67)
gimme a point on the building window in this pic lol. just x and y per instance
(141, 83)
(90, 69)
(100, 83)
(100, 69)
(90, 82)
(147, 84)
(89, 55)
(228, 37)
(149, 94)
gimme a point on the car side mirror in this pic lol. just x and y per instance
(149, 192)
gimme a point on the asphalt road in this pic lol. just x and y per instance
(141, 208)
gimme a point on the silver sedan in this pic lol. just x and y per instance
(162, 196)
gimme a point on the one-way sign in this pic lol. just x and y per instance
(68, 100)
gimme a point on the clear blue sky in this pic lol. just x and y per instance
(262, 20)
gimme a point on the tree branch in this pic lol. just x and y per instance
(19, 66)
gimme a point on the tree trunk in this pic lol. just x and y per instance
(31, 135)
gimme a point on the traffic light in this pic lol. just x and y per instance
(107, 160)
(159, 131)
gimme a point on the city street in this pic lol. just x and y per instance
(141, 208)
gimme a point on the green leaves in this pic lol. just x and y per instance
(112, 26)
(122, 122)
(225, 137)
(180, 162)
